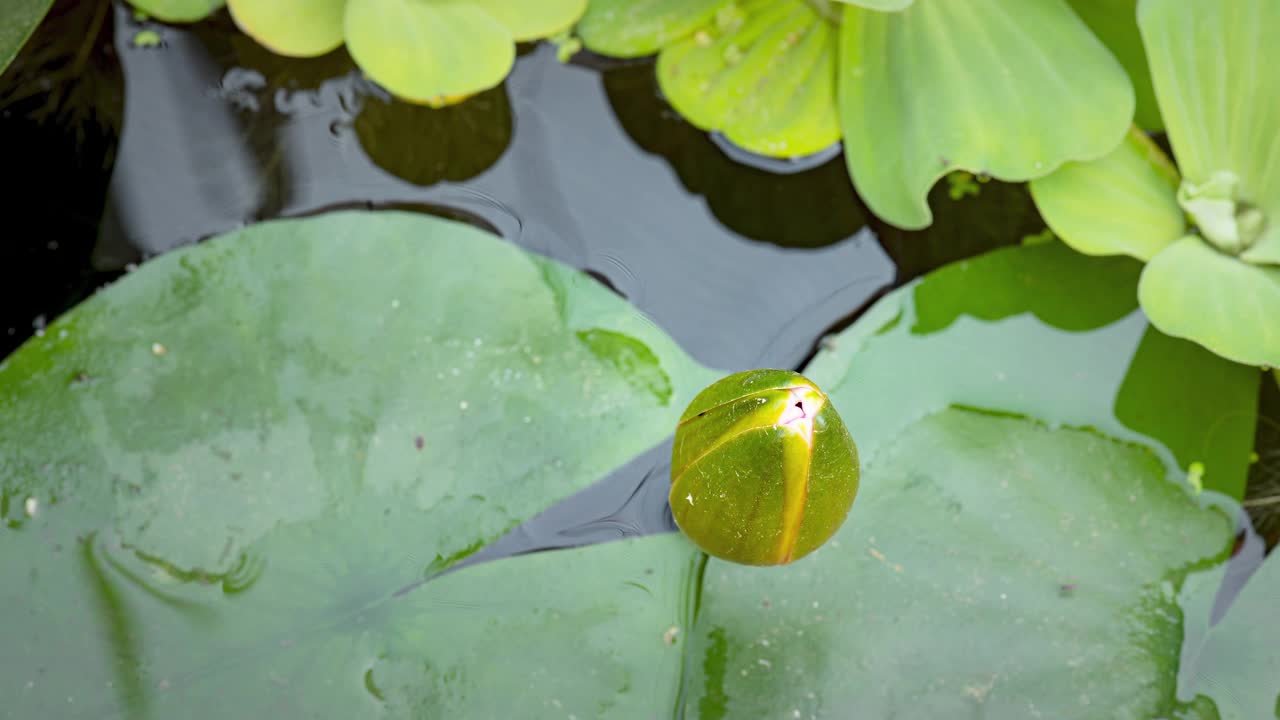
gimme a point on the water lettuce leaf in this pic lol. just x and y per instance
(1006, 88)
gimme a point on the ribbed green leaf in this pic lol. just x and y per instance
(1010, 88)
(1115, 22)
(1194, 291)
(763, 73)
(1123, 203)
(632, 28)
(1213, 67)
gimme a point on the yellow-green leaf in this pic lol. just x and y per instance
(1122, 203)
(1009, 88)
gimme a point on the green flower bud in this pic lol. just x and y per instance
(763, 471)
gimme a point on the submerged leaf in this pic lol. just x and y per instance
(1122, 203)
(1211, 63)
(1007, 88)
(297, 28)
(763, 73)
(1194, 291)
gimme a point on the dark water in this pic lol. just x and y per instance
(152, 148)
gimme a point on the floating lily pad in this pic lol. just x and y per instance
(995, 565)
(20, 20)
(1221, 110)
(1237, 659)
(1123, 203)
(178, 10)
(763, 73)
(1008, 88)
(1012, 331)
(1016, 546)
(217, 473)
(299, 28)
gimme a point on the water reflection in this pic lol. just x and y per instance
(220, 134)
(811, 205)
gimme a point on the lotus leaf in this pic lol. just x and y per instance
(1220, 285)
(433, 53)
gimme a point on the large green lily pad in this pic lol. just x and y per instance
(1236, 659)
(217, 472)
(1017, 545)
(993, 567)
(1009, 88)
(20, 20)
(1038, 331)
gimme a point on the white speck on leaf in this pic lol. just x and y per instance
(689, 497)
(669, 637)
(462, 405)
(31, 506)
(158, 349)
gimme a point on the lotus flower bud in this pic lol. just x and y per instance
(763, 471)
